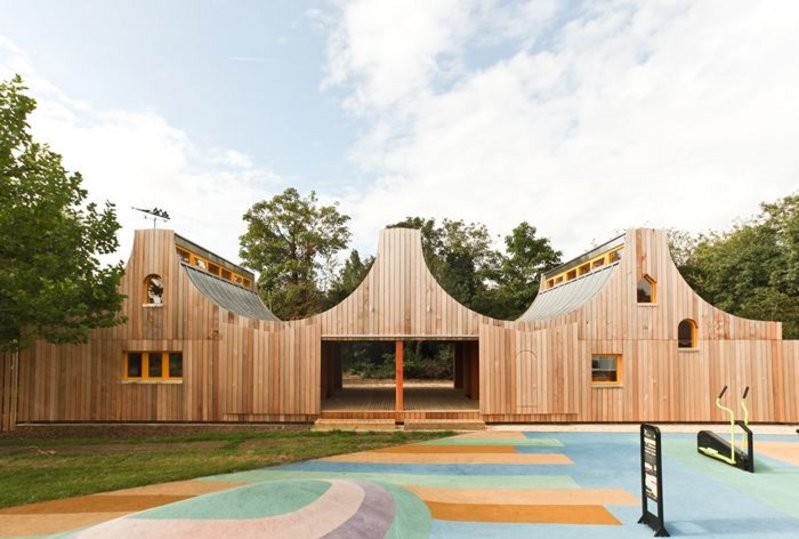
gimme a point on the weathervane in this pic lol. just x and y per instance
(155, 214)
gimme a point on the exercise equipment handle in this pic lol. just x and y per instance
(723, 391)
(746, 392)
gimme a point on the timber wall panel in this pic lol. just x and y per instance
(9, 390)
(790, 380)
(399, 297)
(86, 382)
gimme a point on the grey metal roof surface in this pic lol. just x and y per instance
(567, 296)
(232, 297)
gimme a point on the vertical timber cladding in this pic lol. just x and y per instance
(530, 375)
(270, 371)
(399, 298)
(9, 390)
(238, 368)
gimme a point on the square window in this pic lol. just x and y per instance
(175, 365)
(605, 369)
(154, 365)
(134, 367)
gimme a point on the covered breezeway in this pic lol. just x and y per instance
(394, 395)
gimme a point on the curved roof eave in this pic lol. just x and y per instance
(229, 296)
(568, 296)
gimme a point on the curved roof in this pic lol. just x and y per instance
(568, 296)
(232, 297)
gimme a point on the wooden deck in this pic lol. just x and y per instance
(381, 398)
(421, 403)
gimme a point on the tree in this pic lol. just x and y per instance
(52, 285)
(460, 257)
(351, 275)
(292, 242)
(527, 256)
(753, 269)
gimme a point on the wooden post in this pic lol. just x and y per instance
(399, 359)
(457, 367)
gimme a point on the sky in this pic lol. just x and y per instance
(581, 118)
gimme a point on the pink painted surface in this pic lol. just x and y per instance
(332, 509)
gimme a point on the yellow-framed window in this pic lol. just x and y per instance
(184, 255)
(646, 291)
(606, 369)
(153, 365)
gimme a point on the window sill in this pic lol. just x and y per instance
(688, 350)
(647, 304)
(152, 305)
(151, 382)
(606, 386)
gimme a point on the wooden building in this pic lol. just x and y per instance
(615, 335)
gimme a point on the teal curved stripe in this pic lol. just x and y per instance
(252, 501)
(439, 480)
(411, 518)
(527, 442)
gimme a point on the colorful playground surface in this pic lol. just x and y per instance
(504, 484)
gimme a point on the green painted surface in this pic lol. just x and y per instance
(251, 501)
(412, 517)
(527, 442)
(443, 481)
(772, 484)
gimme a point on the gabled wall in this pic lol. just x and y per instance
(661, 382)
(86, 382)
(399, 297)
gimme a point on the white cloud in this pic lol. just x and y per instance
(137, 159)
(621, 114)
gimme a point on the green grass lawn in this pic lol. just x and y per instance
(33, 470)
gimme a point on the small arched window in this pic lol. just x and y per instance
(153, 290)
(646, 290)
(686, 334)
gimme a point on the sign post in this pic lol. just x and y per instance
(652, 479)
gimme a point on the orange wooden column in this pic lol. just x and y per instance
(398, 360)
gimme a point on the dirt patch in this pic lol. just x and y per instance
(124, 431)
(114, 448)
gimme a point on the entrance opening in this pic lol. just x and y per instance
(358, 375)
(440, 375)
(388, 376)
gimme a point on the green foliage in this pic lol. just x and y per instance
(373, 360)
(752, 270)
(51, 284)
(526, 258)
(423, 360)
(460, 257)
(428, 361)
(292, 242)
(463, 261)
(348, 279)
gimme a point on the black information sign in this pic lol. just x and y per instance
(652, 479)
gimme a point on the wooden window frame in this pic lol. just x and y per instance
(147, 281)
(619, 371)
(183, 255)
(694, 331)
(145, 367)
(653, 288)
